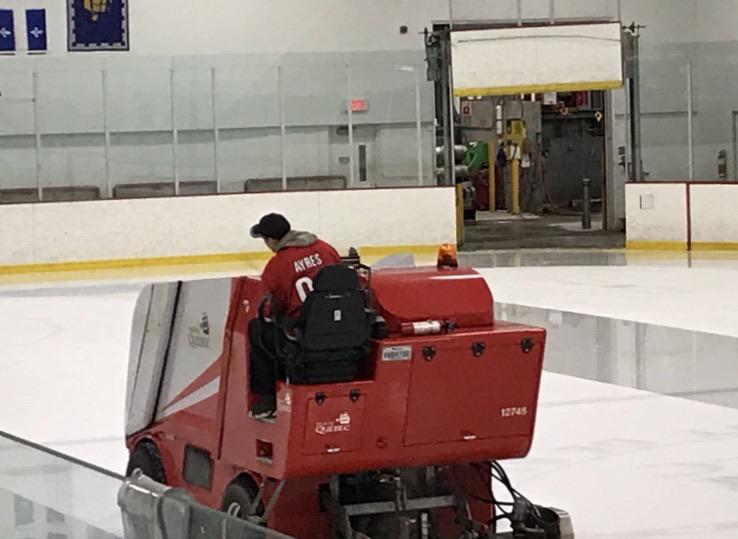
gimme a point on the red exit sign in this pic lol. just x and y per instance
(359, 105)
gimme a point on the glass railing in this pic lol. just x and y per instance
(186, 125)
(689, 126)
(47, 495)
(665, 360)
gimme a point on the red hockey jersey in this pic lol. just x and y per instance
(288, 277)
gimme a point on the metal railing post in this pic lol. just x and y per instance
(36, 126)
(515, 187)
(216, 133)
(690, 121)
(282, 126)
(106, 129)
(175, 133)
(418, 126)
(586, 204)
(352, 172)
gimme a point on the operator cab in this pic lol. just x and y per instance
(330, 342)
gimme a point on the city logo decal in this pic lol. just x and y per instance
(341, 424)
(199, 336)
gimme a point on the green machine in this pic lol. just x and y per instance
(477, 156)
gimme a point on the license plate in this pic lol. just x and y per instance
(397, 353)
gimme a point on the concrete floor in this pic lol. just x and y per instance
(501, 230)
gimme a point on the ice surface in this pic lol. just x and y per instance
(63, 358)
(625, 463)
(694, 299)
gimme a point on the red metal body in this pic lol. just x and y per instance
(464, 396)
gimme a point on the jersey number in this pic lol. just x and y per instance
(304, 287)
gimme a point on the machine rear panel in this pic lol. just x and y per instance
(457, 395)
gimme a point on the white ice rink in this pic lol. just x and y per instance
(623, 462)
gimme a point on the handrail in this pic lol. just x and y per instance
(60, 455)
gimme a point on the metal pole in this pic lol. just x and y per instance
(690, 121)
(38, 136)
(627, 115)
(418, 127)
(515, 194)
(492, 181)
(586, 205)
(216, 133)
(175, 134)
(520, 12)
(282, 128)
(735, 147)
(352, 172)
(452, 139)
(635, 108)
(108, 179)
(551, 11)
(448, 155)
(609, 221)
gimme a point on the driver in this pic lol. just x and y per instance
(288, 279)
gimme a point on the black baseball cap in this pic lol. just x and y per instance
(272, 225)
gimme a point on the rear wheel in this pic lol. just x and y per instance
(238, 498)
(147, 458)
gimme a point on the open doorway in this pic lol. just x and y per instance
(528, 159)
(529, 142)
(561, 139)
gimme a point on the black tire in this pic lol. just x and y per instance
(238, 498)
(147, 458)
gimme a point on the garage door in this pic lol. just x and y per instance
(509, 61)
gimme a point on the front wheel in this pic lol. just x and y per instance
(147, 458)
(238, 499)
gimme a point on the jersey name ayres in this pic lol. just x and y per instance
(309, 262)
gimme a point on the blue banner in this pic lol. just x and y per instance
(7, 31)
(36, 29)
(98, 25)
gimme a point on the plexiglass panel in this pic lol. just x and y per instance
(131, 127)
(43, 495)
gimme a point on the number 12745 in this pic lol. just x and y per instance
(512, 412)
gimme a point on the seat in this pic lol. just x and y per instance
(330, 341)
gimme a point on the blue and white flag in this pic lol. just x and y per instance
(98, 25)
(7, 31)
(36, 29)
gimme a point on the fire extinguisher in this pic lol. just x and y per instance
(723, 164)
